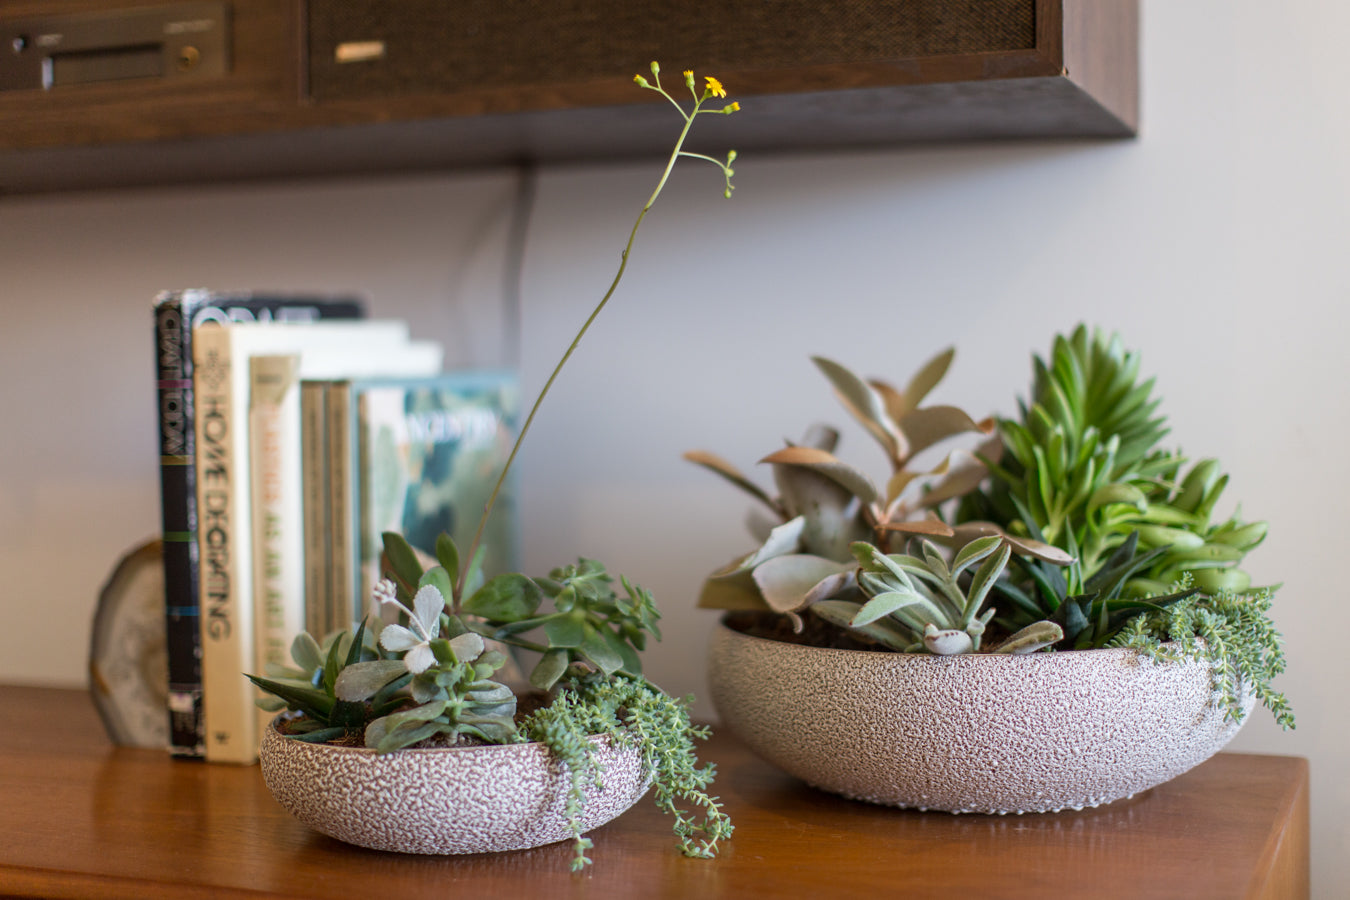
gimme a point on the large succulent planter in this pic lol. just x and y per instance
(977, 733)
(446, 800)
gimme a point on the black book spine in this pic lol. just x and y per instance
(173, 361)
(175, 316)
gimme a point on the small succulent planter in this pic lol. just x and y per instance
(976, 733)
(448, 800)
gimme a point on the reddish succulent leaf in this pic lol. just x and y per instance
(715, 463)
(827, 464)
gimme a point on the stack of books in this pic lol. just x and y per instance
(294, 430)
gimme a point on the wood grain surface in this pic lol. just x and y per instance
(80, 818)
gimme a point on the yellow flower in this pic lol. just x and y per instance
(715, 87)
(689, 78)
(640, 81)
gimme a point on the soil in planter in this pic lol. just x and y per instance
(815, 633)
(526, 703)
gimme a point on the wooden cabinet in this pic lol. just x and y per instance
(350, 86)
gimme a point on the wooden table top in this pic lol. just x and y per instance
(80, 818)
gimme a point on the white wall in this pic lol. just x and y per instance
(1215, 244)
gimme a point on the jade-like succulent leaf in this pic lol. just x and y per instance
(1033, 637)
(927, 426)
(506, 598)
(823, 463)
(566, 629)
(865, 404)
(595, 648)
(306, 653)
(364, 680)
(731, 590)
(440, 579)
(550, 668)
(402, 562)
(786, 582)
(447, 554)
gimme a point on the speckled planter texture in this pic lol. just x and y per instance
(977, 733)
(442, 801)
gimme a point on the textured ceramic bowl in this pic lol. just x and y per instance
(978, 733)
(442, 801)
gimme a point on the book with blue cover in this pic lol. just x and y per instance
(427, 453)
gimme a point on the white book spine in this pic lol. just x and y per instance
(224, 538)
(278, 544)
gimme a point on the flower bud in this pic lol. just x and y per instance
(656, 69)
(640, 81)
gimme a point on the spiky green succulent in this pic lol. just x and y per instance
(1082, 470)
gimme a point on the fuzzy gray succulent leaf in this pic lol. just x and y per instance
(788, 583)
(1036, 636)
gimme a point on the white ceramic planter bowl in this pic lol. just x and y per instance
(442, 801)
(978, 733)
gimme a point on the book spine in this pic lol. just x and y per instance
(314, 508)
(342, 565)
(178, 517)
(278, 548)
(226, 617)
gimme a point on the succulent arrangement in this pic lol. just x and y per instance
(1068, 527)
(419, 669)
(429, 682)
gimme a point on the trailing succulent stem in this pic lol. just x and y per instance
(1232, 632)
(632, 712)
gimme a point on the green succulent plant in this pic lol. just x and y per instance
(429, 676)
(310, 687)
(1081, 470)
(919, 603)
(1071, 528)
(824, 506)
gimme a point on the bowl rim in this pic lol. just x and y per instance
(324, 746)
(1057, 657)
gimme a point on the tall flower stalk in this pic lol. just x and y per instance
(712, 89)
